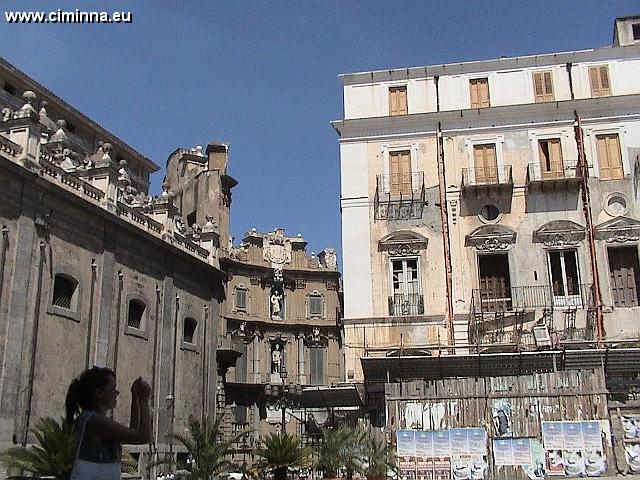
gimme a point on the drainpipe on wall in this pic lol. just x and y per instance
(568, 67)
(173, 374)
(205, 390)
(116, 343)
(583, 170)
(92, 290)
(445, 235)
(154, 374)
(3, 256)
(34, 343)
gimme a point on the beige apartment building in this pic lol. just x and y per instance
(490, 232)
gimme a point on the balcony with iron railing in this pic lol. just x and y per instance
(499, 296)
(506, 318)
(402, 305)
(399, 196)
(562, 174)
(495, 179)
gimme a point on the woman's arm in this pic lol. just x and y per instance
(112, 430)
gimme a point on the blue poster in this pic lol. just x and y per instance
(572, 432)
(503, 452)
(406, 446)
(477, 441)
(592, 435)
(552, 435)
(459, 441)
(424, 444)
(522, 451)
(441, 444)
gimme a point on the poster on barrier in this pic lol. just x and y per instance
(406, 452)
(631, 440)
(574, 448)
(503, 452)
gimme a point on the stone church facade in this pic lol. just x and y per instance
(95, 271)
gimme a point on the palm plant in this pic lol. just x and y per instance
(53, 455)
(210, 455)
(282, 452)
(340, 448)
(380, 458)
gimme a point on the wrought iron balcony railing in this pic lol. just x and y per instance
(553, 172)
(487, 176)
(401, 305)
(400, 196)
(497, 296)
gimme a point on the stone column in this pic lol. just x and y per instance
(301, 363)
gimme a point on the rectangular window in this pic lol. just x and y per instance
(400, 172)
(565, 283)
(609, 157)
(624, 272)
(599, 78)
(635, 28)
(486, 164)
(551, 165)
(543, 87)
(316, 304)
(317, 362)
(398, 100)
(406, 297)
(495, 282)
(241, 299)
(479, 90)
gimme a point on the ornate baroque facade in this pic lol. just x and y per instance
(282, 317)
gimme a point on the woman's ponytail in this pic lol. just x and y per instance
(71, 402)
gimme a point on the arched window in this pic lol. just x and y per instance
(135, 314)
(189, 330)
(65, 292)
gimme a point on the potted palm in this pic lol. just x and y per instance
(209, 454)
(340, 448)
(282, 452)
(380, 459)
(52, 456)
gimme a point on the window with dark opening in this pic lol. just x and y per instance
(241, 298)
(315, 305)
(65, 292)
(191, 219)
(489, 212)
(135, 314)
(189, 330)
(636, 31)
(10, 89)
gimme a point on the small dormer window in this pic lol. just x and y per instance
(135, 314)
(189, 330)
(65, 292)
(636, 31)
(9, 88)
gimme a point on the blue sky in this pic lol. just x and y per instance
(262, 76)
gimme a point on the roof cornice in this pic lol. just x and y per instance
(622, 106)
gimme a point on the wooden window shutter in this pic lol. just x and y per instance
(484, 93)
(475, 102)
(605, 89)
(400, 172)
(599, 78)
(555, 154)
(398, 100)
(609, 157)
(479, 92)
(543, 87)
